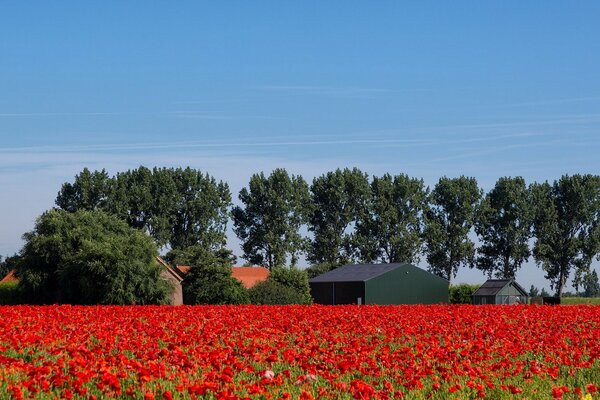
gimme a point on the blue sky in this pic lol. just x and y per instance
(484, 89)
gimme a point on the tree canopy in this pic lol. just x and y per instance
(338, 198)
(391, 229)
(89, 257)
(567, 227)
(449, 219)
(268, 224)
(504, 228)
(177, 207)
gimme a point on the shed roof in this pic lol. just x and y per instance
(356, 272)
(493, 286)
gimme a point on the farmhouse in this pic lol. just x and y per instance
(399, 283)
(500, 291)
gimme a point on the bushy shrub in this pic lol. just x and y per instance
(271, 292)
(462, 293)
(89, 257)
(209, 280)
(9, 293)
(295, 279)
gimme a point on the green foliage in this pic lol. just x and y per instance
(504, 227)
(580, 300)
(177, 207)
(591, 285)
(533, 291)
(89, 257)
(271, 292)
(449, 219)
(566, 227)
(269, 222)
(391, 229)
(318, 269)
(9, 293)
(295, 279)
(337, 198)
(209, 279)
(90, 191)
(462, 293)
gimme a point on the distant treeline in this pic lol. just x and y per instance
(352, 217)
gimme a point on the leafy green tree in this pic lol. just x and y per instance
(533, 291)
(504, 227)
(209, 280)
(177, 207)
(201, 211)
(131, 199)
(544, 293)
(338, 198)
(89, 257)
(449, 219)
(268, 224)
(89, 191)
(591, 285)
(391, 230)
(566, 227)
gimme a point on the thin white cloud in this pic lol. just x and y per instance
(259, 143)
(60, 114)
(552, 102)
(205, 115)
(332, 91)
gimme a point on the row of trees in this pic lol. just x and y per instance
(345, 216)
(92, 257)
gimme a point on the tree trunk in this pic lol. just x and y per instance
(561, 282)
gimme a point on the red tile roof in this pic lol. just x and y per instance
(10, 277)
(183, 269)
(250, 276)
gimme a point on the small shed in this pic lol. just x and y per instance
(500, 291)
(398, 283)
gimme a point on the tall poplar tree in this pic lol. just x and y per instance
(566, 227)
(449, 219)
(504, 228)
(338, 198)
(268, 224)
(391, 229)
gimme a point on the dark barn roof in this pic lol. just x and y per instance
(356, 272)
(493, 286)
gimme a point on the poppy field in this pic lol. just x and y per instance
(300, 352)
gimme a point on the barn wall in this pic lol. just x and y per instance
(337, 292)
(322, 292)
(406, 285)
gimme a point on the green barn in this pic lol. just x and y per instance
(500, 291)
(399, 283)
